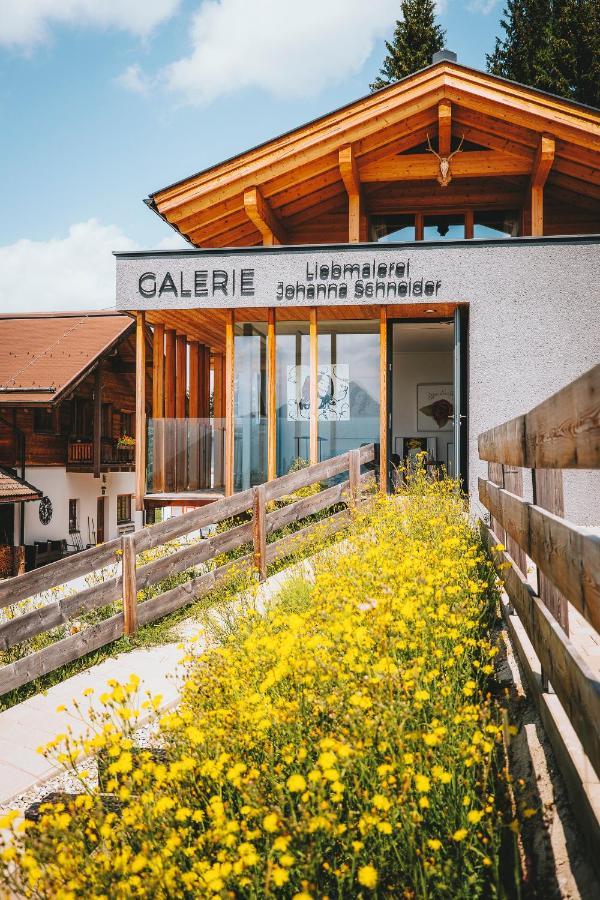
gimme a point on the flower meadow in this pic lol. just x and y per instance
(342, 743)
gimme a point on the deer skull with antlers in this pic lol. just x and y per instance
(445, 176)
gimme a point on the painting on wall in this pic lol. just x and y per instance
(435, 407)
(333, 393)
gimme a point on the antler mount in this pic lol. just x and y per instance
(444, 176)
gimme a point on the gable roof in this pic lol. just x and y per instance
(43, 355)
(298, 173)
(16, 490)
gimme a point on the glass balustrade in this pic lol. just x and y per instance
(185, 455)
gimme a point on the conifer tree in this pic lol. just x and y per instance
(416, 37)
(553, 45)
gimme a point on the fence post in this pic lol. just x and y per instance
(259, 530)
(354, 476)
(130, 612)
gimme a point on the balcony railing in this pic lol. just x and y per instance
(185, 455)
(80, 452)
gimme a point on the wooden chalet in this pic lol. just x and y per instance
(67, 425)
(350, 278)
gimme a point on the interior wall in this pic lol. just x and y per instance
(410, 369)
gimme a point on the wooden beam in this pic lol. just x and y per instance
(351, 178)
(97, 447)
(444, 127)
(262, 216)
(229, 400)
(205, 381)
(542, 164)
(218, 386)
(181, 376)
(271, 395)
(314, 395)
(419, 226)
(170, 379)
(424, 166)
(140, 411)
(194, 398)
(158, 371)
(383, 394)
(469, 224)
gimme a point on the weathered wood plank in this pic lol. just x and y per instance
(259, 531)
(548, 493)
(563, 432)
(190, 591)
(293, 542)
(193, 555)
(496, 475)
(568, 555)
(35, 622)
(513, 482)
(60, 572)
(129, 585)
(279, 518)
(576, 685)
(287, 484)
(59, 654)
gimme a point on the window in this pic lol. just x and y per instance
(392, 228)
(43, 421)
(496, 224)
(123, 508)
(126, 426)
(73, 516)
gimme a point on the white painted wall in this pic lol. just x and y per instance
(61, 486)
(408, 370)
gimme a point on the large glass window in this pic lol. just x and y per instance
(293, 394)
(496, 224)
(386, 229)
(250, 399)
(447, 227)
(348, 385)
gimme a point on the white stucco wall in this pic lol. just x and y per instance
(61, 486)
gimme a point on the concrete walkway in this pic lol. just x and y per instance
(33, 723)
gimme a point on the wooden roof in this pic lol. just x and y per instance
(300, 176)
(16, 490)
(42, 356)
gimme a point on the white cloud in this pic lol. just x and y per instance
(73, 272)
(285, 47)
(29, 22)
(173, 241)
(485, 7)
(134, 80)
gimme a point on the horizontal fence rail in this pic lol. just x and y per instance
(563, 432)
(129, 578)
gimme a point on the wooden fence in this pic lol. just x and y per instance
(561, 433)
(132, 578)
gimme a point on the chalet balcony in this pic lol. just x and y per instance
(113, 457)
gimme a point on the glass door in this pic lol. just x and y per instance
(461, 393)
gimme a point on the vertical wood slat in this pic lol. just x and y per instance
(259, 530)
(419, 226)
(130, 609)
(170, 336)
(537, 210)
(549, 495)
(194, 376)
(205, 397)
(513, 482)
(271, 394)
(158, 371)
(314, 396)
(181, 376)
(469, 224)
(140, 411)
(229, 401)
(354, 476)
(496, 474)
(383, 399)
(158, 407)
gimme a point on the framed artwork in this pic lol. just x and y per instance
(450, 458)
(435, 407)
(333, 393)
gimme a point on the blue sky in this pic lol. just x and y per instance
(104, 101)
